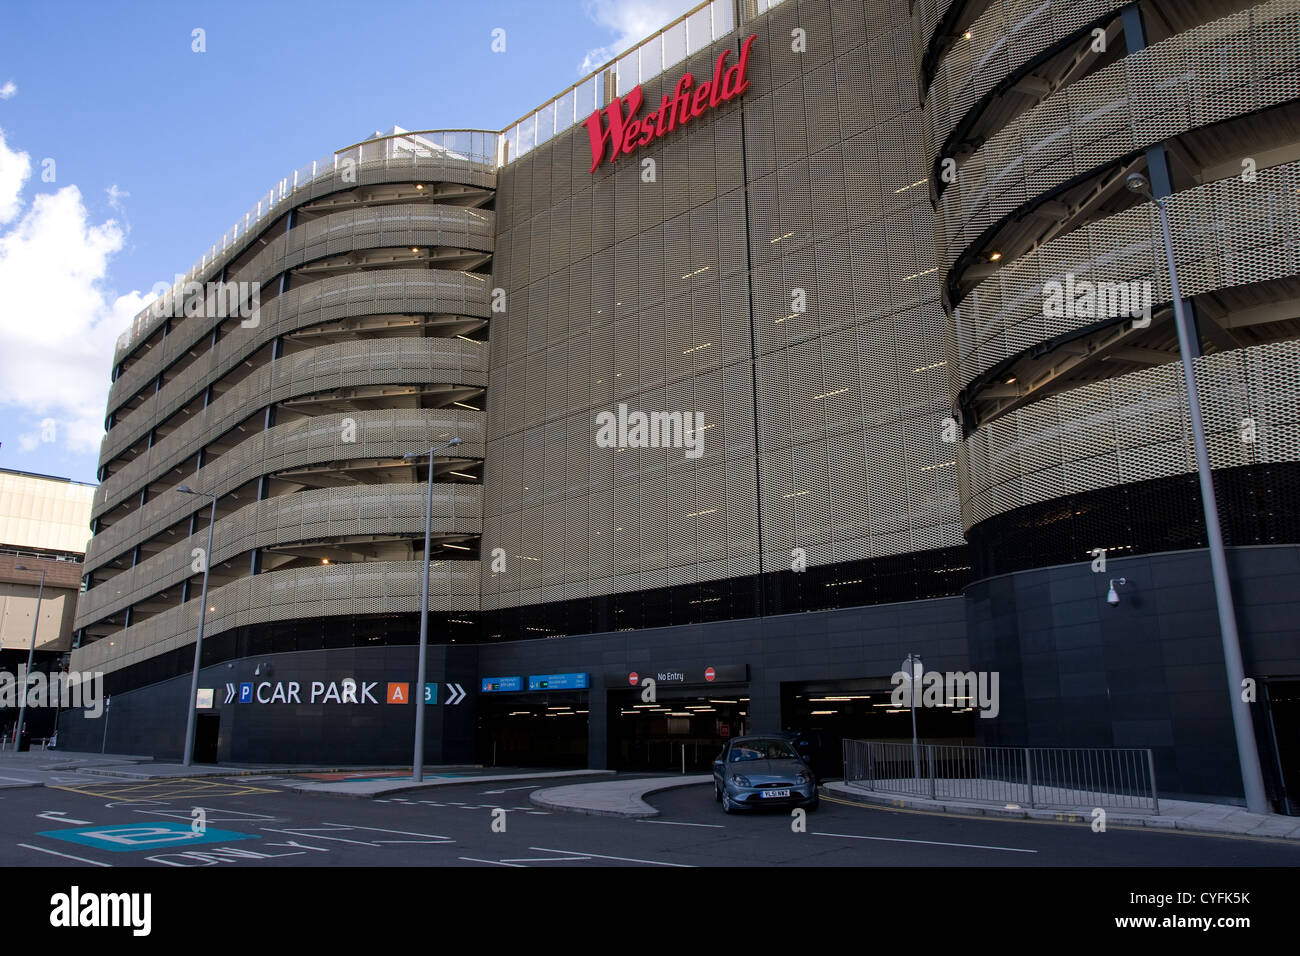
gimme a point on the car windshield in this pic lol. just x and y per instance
(744, 750)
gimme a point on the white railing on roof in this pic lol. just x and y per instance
(473, 146)
(694, 30)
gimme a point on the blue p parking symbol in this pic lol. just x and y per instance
(246, 693)
(149, 835)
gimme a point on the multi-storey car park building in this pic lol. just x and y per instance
(885, 273)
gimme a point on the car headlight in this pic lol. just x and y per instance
(741, 781)
(803, 776)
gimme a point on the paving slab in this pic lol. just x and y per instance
(1183, 815)
(373, 788)
(613, 798)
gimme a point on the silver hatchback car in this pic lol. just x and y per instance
(762, 771)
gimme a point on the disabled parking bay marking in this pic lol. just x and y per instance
(147, 835)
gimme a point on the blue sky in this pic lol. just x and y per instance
(157, 149)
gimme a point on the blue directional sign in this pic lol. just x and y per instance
(151, 835)
(431, 693)
(495, 684)
(246, 693)
(557, 682)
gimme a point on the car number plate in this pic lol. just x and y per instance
(775, 793)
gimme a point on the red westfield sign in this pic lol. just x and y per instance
(625, 131)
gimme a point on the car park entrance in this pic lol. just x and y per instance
(532, 729)
(681, 722)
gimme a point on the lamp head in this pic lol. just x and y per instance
(454, 441)
(1112, 596)
(1137, 183)
(186, 490)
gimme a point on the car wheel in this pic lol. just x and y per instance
(717, 794)
(727, 805)
(814, 803)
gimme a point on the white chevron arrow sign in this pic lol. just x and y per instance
(456, 694)
(230, 692)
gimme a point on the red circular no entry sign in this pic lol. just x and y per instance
(710, 673)
(632, 678)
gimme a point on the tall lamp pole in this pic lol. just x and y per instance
(191, 709)
(914, 672)
(417, 769)
(1252, 776)
(31, 653)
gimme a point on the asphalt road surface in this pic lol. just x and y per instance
(255, 821)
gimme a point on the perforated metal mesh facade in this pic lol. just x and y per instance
(215, 450)
(1134, 428)
(309, 441)
(1238, 64)
(1227, 233)
(679, 295)
(1003, 39)
(372, 587)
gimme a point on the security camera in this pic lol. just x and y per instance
(1112, 596)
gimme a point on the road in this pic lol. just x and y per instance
(256, 821)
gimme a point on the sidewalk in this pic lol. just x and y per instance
(36, 768)
(1174, 814)
(613, 798)
(433, 777)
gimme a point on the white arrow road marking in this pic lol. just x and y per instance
(531, 786)
(58, 816)
(230, 692)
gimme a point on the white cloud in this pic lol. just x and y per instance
(58, 324)
(14, 170)
(8, 90)
(632, 21)
(115, 197)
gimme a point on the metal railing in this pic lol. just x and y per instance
(693, 31)
(472, 146)
(1034, 777)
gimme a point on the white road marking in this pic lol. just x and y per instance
(968, 846)
(624, 859)
(317, 833)
(79, 859)
(674, 823)
(61, 816)
(545, 859)
(471, 859)
(532, 786)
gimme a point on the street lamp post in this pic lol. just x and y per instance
(914, 670)
(191, 709)
(417, 769)
(1247, 751)
(31, 653)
